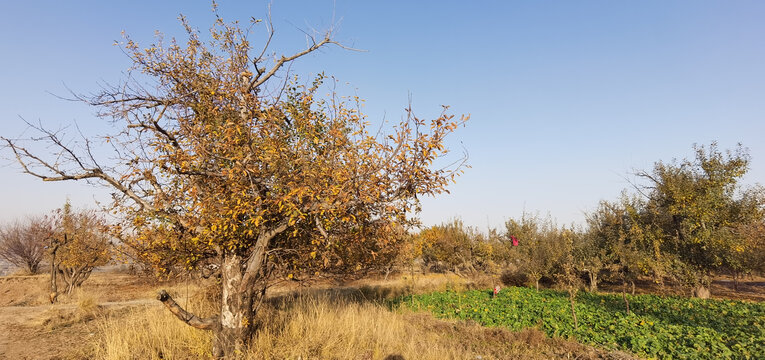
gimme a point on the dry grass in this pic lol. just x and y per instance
(327, 327)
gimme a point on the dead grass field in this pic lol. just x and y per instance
(116, 316)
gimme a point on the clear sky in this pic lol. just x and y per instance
(566, 97)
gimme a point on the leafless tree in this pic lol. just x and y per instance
(22, 243)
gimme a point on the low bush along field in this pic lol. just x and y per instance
(661, 327)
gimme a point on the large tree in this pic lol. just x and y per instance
(697, 211)
(218, 159)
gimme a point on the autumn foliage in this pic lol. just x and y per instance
(81, 241)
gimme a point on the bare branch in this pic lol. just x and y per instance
(321, 229)
(88, 173)
(185, 316)
(261, 78)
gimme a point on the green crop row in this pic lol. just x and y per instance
(658, 327)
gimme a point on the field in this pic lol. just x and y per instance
(657, 327)
(115, 316)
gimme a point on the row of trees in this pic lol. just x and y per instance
(72, 242)
(687, 221)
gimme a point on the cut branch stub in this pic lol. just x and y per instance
(185, 316)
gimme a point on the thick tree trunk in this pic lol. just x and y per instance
(237, 310)
(243, 281)
(624, 297)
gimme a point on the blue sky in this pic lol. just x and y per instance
(566, 97)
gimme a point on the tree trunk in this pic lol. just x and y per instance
(735, 280)
(75, 276)
(593, 281)
(571, 297)
(243, 280)
(53, 272)
(237, 311)
(624, 296)
(33, 266)
(701, 291)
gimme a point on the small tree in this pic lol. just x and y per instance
(454, 247)
(79, 243)
(625, 244)
(750, 255)
(568, 276)
(23, 243)
(219, 160)
(591, 257)
(539, 246)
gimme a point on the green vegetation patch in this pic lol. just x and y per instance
(658, 326)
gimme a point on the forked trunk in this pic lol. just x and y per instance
(593, 281)
(74, 276)
(243, 281)
(237, 311)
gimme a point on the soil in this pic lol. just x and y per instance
(32, 328)
(749, 288)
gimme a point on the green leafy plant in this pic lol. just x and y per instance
(657, 327)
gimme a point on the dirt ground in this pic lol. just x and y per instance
(749, 288)
(32, 328)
